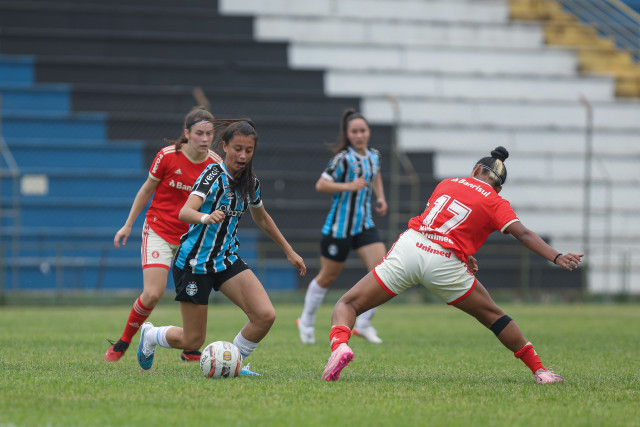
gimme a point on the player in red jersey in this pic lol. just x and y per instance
(171, 177)
(436, 251)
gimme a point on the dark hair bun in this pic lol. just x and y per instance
(500, 153)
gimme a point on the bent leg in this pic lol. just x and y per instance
(246, 291)
(371, 255)
(194, 327)
(364, 295)
(480, 305)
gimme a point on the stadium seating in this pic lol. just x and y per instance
(86, 75)
(468, 77)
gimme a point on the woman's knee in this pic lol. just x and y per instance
(194, 341)
(151, 297)
(326, 278)
(268, 317)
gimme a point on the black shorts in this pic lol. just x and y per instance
(196, 288)
(338, 249)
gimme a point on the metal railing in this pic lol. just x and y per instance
(610, 18)
(399, 159)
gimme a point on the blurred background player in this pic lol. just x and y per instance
(436, 252)
(207, 258)
(351, 176)
(171, 177)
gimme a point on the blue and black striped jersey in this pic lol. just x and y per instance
(208, 248)
(350, 212)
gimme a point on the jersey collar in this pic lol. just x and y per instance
(224, 168)
(355, 153)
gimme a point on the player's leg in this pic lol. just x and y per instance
(245, 290)
(370, 255)
(191, 335)
(480, 305)
(157, 255)
(316, 292)
(365, 295)
(154, 284)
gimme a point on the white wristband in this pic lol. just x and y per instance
(203, 217)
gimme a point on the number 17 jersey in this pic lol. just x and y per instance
(461, 214)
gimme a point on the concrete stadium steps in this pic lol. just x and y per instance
(346, 82)
(16, 70)
(437, 10)
(57, 125)
(137, 44)
(71, 211)
(54, 125)
(215, 73)
(145, 15)
(618, 115)
(35, 98)
(200, 5)
(443, 59)
(224, 102)
(272, 130)
(431, 136)
(125, 155)
(63, 179)
(414, 32)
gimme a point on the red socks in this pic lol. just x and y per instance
(139, 313)
(339, 335)
(530, 358)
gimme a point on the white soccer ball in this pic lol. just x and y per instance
(221, 359)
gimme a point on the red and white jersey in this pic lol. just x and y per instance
(176, 174)
(461, 214)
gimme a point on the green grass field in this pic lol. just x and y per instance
(436, 367)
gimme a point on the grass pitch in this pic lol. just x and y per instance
(437, 366)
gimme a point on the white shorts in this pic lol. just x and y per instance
(156, 252)
(414, 259)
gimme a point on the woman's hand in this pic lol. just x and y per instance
(381, 207)
(215, 217)
(357, 184)
(569, 261)
(297, 261)
(472, 264)
(123, 234)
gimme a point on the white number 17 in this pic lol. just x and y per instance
(460, 214)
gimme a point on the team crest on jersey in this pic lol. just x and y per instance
(332, 249)
(192, 289)
(357, 168)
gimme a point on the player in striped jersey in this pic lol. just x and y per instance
(172, 173)
(207, 258)
(351, 176)
(436, 251)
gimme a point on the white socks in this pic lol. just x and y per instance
(245, 346)
(364, 319)
(158, 336)
(312, 301)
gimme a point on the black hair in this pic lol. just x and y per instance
(246, 182)
(343, 140)
(196, 115)
(494, 166)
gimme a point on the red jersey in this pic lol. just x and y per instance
(461, 214)
(176, 174)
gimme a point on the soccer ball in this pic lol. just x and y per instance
(221, 359)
